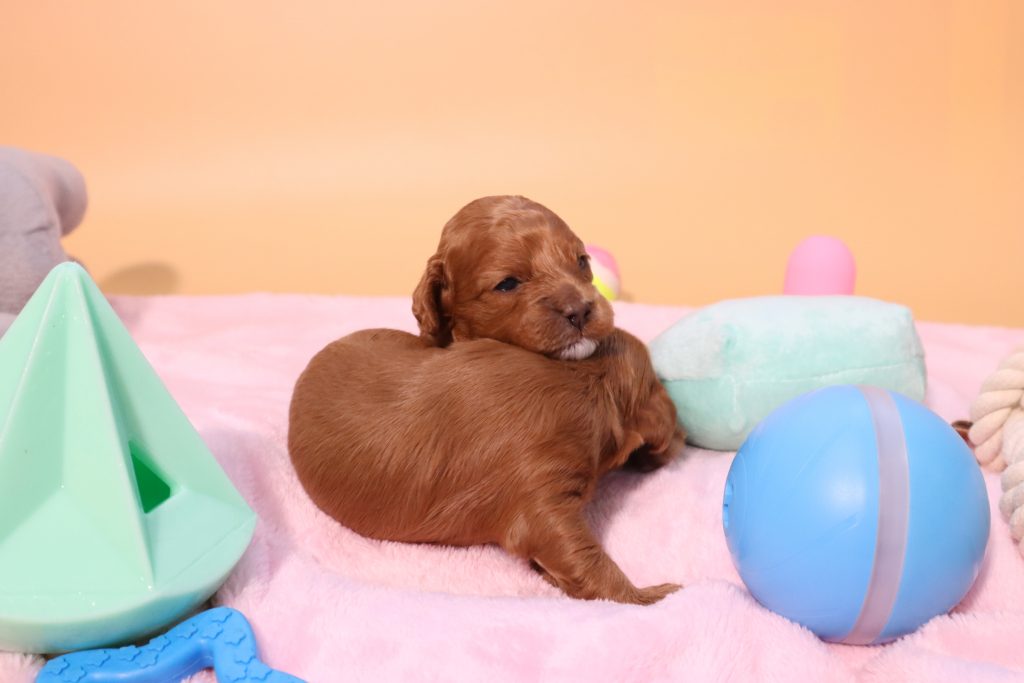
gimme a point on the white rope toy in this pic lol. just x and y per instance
(998, 435)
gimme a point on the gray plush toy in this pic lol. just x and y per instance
(42, 198)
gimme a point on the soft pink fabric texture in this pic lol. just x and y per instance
(328, 605)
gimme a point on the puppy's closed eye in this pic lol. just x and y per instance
(507, 285)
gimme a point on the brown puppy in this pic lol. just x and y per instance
(480, 442)
(509, 269)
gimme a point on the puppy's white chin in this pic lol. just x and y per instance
(578, 351)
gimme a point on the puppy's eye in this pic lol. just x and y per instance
(507, 285)
(583, 262)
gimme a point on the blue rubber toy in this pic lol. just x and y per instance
(856, 512)
(220, 638)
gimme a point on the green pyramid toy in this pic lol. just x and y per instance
(115, 519)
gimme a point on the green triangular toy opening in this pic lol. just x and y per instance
(153, 490)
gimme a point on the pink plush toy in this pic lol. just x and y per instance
(820, 265)
(606, 272)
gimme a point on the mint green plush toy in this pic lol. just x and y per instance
(728, 365)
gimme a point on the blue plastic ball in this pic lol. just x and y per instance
(856, 512)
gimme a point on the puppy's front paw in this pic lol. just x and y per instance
(646, 459)
(652, 594)
(658, 452)
(643, 460)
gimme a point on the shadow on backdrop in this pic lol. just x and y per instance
(142, 279)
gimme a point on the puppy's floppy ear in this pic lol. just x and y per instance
(428, 307)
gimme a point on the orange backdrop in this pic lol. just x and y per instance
(319, 146)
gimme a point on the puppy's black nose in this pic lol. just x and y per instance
(579, 315)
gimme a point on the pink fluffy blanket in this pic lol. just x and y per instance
(328, 605)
